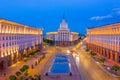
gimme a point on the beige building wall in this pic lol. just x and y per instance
(105, 41)
(15, 40)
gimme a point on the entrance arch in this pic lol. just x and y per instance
(2, 65)
(9, 60)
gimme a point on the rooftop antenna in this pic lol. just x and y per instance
(63, 16)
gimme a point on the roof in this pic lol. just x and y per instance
(14, 23)
(11, 22)
(105, 26)
(74, 32)
(52, 33)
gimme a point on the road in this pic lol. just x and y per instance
(83, 69)
(88, 68)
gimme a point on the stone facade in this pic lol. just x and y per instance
(63, 37)
(15, 40)
(105, 41)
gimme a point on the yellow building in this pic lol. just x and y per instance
(105, 41)
(16, 40)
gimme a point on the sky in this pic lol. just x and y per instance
(47, 14)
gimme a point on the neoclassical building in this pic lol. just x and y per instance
(16, 40)
(63, 37)
(105, 41)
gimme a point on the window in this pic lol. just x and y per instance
(6, 38)
(3, 45)
(3, 38)
(7, 44)
(10, 44)
(9, 38)
(13, 37)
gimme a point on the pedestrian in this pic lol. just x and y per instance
(36, 63)
(32, 66)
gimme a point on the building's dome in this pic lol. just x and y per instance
(64, 25)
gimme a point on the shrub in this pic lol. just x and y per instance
(37, 51)
(25, 67)
(115, 68)
(21, 78)
(26, 73)
(92, 53)
(38, 77)
(30, 77)
(33, 53)
(87, 50)
(22, 70)
(12, 77)
(101, 59)
(36, 63)
(18, 73)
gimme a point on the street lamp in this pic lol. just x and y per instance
(108, 68)
(97, 62)
(68, 51)
(77, 57)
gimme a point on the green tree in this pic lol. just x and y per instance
(18, 73)
(92, 53)
(87, 50)
(115, 68)
(12, 77)
(32, 53)
(25, 67)
(30, 77)
(101, 60)
(22, 70)
(38, 77)
(50, 42)
(26, 73)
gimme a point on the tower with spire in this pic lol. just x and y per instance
(63, 24)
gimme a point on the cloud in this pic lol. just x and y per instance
(100, 17)
(117, 11)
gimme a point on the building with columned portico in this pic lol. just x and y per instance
(63, 36)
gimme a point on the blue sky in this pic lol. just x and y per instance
(47, 14)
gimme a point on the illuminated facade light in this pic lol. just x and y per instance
(5, 54)
(8, 53)
(105, 41)
(2, 55)
(16, 38)
(63, 35)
